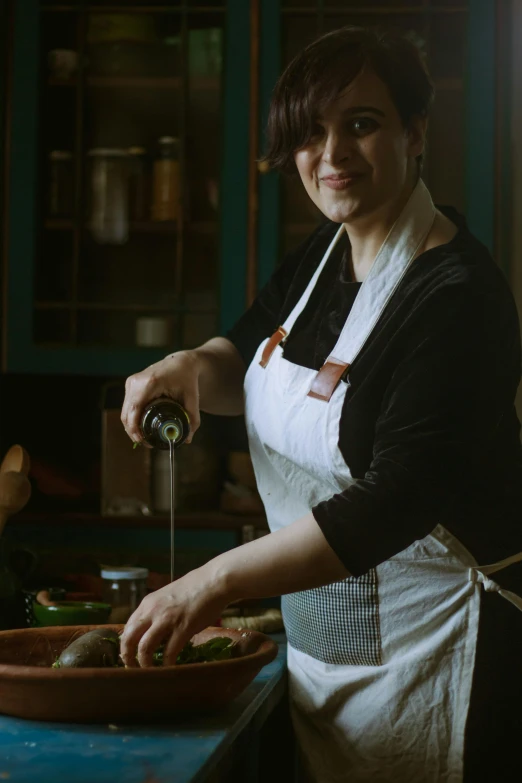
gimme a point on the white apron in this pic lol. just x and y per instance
(380, 665)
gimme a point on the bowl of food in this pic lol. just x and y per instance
(69, 674)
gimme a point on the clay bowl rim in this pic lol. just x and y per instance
(266, 651)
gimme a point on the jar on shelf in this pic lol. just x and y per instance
(61, 189)
(109, 213)
(139, 196)
(166, 180)
(124, 588)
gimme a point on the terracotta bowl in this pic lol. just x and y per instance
(30, 688)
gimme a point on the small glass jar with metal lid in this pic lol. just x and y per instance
(124, 588)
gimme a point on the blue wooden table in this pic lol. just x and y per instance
(191, 751)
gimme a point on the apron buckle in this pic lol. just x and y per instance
(277, 338)
(327, 379)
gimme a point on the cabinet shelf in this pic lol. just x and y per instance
(141, 9)
(142, 227)
(141, 82)
(375, 9)
(215, 520)
(119, 307)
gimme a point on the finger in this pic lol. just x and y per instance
(130, 408)
(143, 392)
(132, 635)
(191, 405)
(174, 646)
(125, 406)
(150, 641)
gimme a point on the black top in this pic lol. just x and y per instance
(428, 427)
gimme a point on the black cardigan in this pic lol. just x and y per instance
(428, 427)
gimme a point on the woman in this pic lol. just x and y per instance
(379, 368)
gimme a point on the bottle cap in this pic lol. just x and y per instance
(124, 572)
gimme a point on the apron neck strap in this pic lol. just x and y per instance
(402, 245)
(300, 306)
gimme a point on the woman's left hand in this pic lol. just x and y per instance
(172, 615)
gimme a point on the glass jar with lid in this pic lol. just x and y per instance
(166, 180)
(124, 588)
(109, 218)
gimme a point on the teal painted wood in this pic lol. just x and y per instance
(89, 540)
(504, 211)
(269, 184)
(234, 176)
(69, 548)
(30, 358)
(22, 354)
(4, 34)
(187, 751)
(22, 181)
(480, 120)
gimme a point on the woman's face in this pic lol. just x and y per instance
(360, 157)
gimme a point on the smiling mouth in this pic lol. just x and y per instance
(341, 183)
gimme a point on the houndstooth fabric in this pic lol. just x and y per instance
(338, 623)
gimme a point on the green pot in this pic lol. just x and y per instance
(72, 613)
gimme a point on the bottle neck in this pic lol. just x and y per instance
(170, 431)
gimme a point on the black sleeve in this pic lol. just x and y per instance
(445, 399)
(262, 317)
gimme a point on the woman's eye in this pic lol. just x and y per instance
(363, 125)
(317, 131)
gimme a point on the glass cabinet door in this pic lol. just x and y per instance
(124, 240)
(129, 171)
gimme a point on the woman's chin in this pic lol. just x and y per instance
(342, 212)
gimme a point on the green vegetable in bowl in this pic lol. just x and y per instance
(101, 648)
(98, 648)
(218, 649)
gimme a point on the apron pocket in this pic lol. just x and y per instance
(338, 623)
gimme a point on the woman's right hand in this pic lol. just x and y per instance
(176, 376)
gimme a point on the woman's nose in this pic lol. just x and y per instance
(336, 148)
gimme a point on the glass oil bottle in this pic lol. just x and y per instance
(165, 424)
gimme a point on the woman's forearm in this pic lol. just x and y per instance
(293, 559)
(298, 557)
(221, 377)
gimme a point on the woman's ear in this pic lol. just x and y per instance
(417, 136)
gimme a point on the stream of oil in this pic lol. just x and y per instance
(171, 449)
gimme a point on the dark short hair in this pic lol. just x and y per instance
(317, 75)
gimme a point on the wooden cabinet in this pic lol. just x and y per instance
(201, 72)
(126, 162)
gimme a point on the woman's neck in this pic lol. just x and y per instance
(366, 234)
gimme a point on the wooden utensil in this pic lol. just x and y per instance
(16, 460)
(15, 491)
